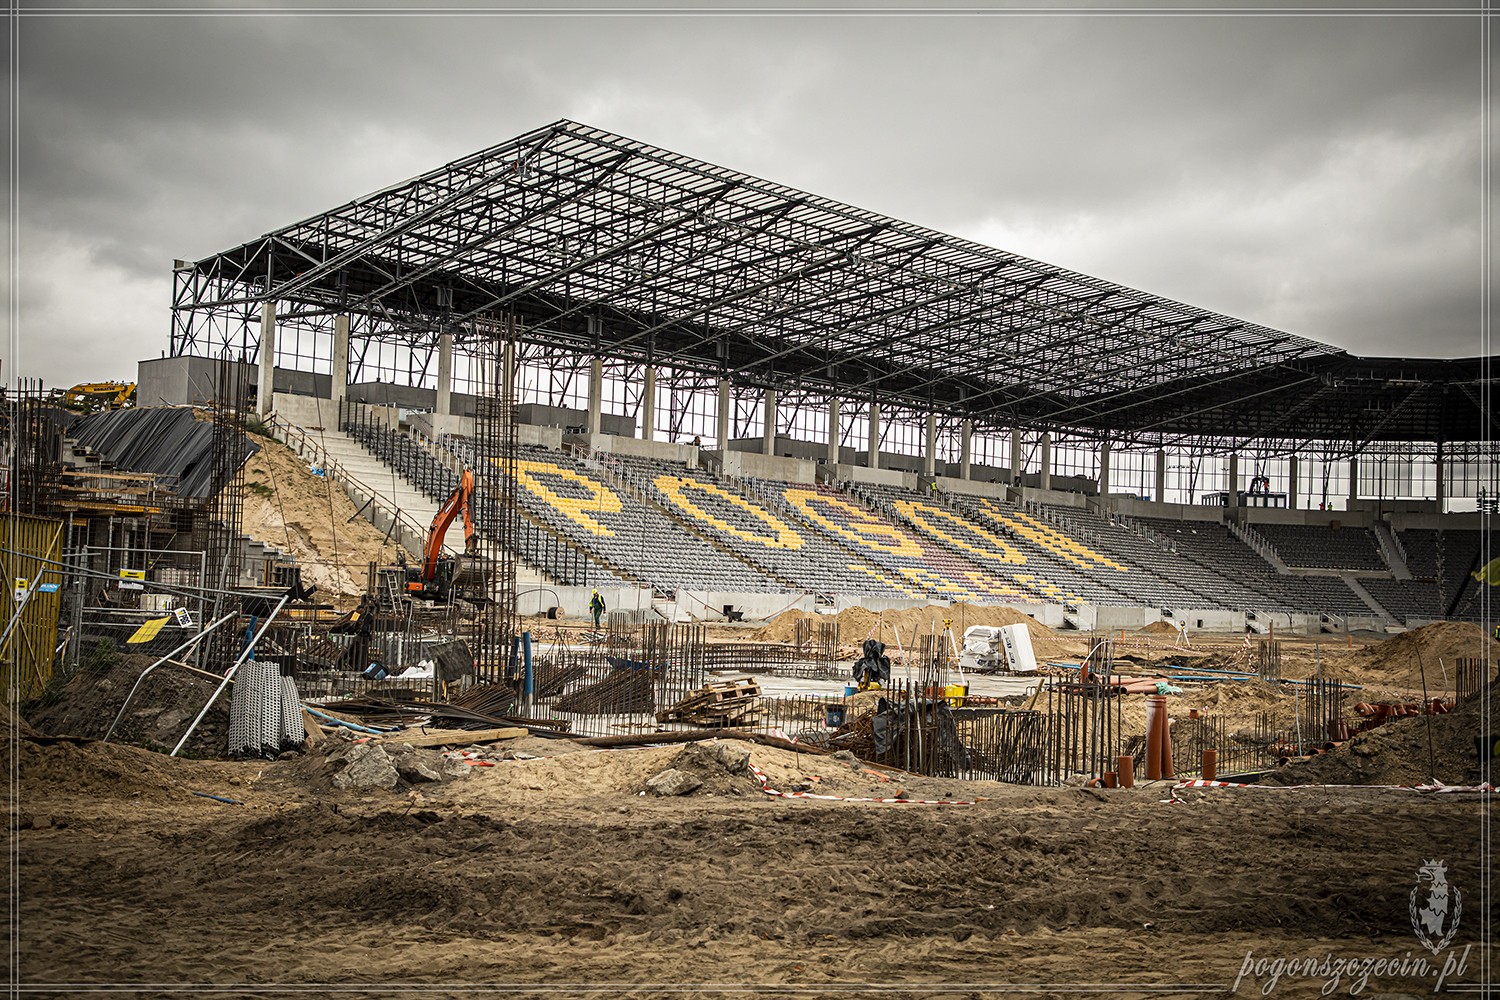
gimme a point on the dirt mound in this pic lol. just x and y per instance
(159, 714)
(11, 724)
(1409, 751)
(49, 771)
(1157, 628)
(310, 518)
(1423, 647)
(900, 628)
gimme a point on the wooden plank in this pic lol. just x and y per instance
(314, 731)
(453, 737)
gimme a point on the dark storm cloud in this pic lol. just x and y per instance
(1316, 175)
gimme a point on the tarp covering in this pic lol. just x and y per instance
(163, 440)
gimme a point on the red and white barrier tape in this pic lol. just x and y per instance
(765, 786)
(1436, 786)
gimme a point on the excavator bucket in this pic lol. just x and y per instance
(472, 575)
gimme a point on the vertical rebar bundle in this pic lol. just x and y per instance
(494, 474)
(224, 511)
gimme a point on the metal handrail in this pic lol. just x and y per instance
(304, 444)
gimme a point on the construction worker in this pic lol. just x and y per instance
(596, 605)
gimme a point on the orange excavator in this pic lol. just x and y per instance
(442, 576)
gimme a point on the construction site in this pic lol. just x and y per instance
(584, 568)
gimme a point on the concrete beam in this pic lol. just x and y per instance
(444, 405)
(1161, 476)
(929, 449)
(1104, 468)
(833, 431)
(1441, 487)
(966, 449)
(1044, 479)
(1353, 481)
(768, 418)
(721, 425)
(339, 387)
(596, 396)
(1291, 482)
(648, 404)
(1015, 456)
(1234, 479)
(872, 445)
(265, 385)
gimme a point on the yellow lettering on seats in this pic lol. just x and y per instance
(601, 499)
(990, 546)
(997, 587)
(888, 581)
(1049, 538)
(863, 527)
(676, 488)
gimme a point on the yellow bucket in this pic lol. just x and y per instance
(954, 694)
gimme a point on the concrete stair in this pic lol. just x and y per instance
(378, 489)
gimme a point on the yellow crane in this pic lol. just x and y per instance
(100, 395)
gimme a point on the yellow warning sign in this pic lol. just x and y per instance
(148, 631)
(132, 574)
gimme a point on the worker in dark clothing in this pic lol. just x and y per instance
(596, 605)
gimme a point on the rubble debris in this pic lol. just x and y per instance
(673, 782)
(366, 765)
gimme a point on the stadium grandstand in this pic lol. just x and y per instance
(727, 395)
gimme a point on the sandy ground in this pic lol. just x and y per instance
(556, 872)
(311, 518)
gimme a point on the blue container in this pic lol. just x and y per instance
(833, 715)
(850, 692)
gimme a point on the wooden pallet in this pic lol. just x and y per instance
(731, 699)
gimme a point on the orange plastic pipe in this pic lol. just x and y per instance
(1154, 713)
(1210, 764)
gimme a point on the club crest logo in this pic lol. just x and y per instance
(1435, 906)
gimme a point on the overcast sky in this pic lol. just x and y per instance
(1316, 175)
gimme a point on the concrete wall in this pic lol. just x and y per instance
(1056, 498)
(708, 605)
(1380, 508)
(385, 394)
(972, 488)
(977, 472)
(614, 444)
(1324, 518)
(190, 380)
(1210, 619)
(1469, 520)
(570, 420)
(1050, 615)
(755, 465)
(880, 477)
(574, 601)
(307, 412)
(1168, 511)
(878, 604)
(1110, 619)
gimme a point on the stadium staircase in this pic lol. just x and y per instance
(1392, 551)
(383, 495)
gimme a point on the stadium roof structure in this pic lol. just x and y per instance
(608, 246)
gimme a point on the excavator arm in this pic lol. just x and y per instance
(457, 503)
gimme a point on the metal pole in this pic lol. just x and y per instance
(229, 676)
